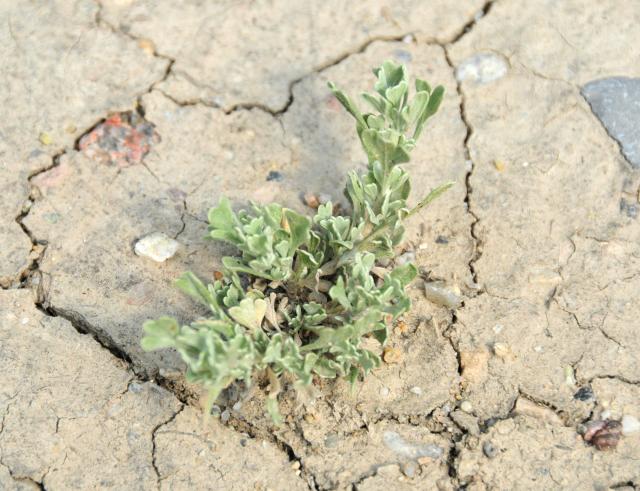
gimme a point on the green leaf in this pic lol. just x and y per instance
(161, 333)
(422, 85)
(434, 103)
(249, 313)
(396, 93)
(221, 216)
(347, 104)
(338, 293)
(274, 411)
(299, 227)
(430, 197)
(405, 274)
(191, 285)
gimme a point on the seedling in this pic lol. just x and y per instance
(302, 293)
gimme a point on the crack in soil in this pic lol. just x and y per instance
(277, 113)
(477, 249)
(468, 27)
(153, 441)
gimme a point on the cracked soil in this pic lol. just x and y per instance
(538, 242)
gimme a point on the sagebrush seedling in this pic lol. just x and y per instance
(303, 292)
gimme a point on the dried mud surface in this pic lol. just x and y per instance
(539, 238)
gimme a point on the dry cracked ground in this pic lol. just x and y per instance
(524, 324)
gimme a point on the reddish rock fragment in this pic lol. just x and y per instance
(123, 139)
(604, 435)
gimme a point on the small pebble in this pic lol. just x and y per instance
(409, 469)
(295, 465)
(45, 139)
(156, 246)
(402, 327)
(604, 435)
(466, 406)
(135, 387)
(502, 351)
(584, 394)
(274, 175)
(392, 355)
(215, 411)
(482, 68)
(499, 165)
(25, 320)
(384, 392)
(630, 424)
(406, 450)
(489, 450)
(225, 416)
(416, 390)
(237, 406)
(311, 200)
(408, 39)
(437, 293)
(441, 239)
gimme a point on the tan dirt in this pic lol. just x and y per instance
(525, 331)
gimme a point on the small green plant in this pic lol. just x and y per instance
(302, 293)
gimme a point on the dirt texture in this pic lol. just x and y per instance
(128, 119)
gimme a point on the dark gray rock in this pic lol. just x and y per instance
(616, 103)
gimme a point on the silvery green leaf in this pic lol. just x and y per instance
(299, 227)
(161, 333)
(347, 104)
(249, 313)
(434, 103)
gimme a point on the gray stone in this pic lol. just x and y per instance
(616, 103)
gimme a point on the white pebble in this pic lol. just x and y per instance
(384, 392)
(156, 246)
(437, 293)
(482, 68)
(25, 320)
(502, 350)
(416, 390)
(630, 424)
(466, 407)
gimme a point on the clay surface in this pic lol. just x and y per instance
(128, 119)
